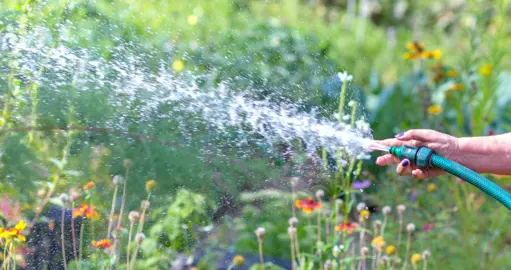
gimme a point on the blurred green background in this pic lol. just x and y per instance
(288, 48)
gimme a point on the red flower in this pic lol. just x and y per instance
(348, 227)
(103, 243)
(308, 205)
(88, 211)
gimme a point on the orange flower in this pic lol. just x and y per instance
(88, 185)
(308, 205)
(348, 227)
(457, 86)
(103, 243)
(14, 232)
(88, 211)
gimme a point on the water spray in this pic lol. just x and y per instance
(425, 158)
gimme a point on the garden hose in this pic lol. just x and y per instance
(424, 158)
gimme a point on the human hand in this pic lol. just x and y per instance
(443, 144)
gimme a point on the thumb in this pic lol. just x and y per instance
(417, 134)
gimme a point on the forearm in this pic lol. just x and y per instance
(490, 154)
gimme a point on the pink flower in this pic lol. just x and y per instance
(428, 227)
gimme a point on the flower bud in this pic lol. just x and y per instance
(320, 194)
(401, 209)
(117, 180)
(364, 251)
(410, 227)
(139, 238)
(64, 198)
(386, 210)
(426, 254)
(259, 232)
(134, 216)
(293, 222)
(145, 204)
(361, 206)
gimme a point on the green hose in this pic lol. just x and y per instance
(424, 157)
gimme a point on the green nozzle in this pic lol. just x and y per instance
(418, 156)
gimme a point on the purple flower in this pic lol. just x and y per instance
(361, 184)
(413, 196)
(428, 227)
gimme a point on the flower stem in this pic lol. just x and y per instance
(135, 252)
(408, 240)
(261, 252)
(123, 201)
(292, 253)
(73, 233)
(319, 240)
(297, 245)
(64, 261)
(425, 265)
(79, 264)
(112, 211)
(129, 244)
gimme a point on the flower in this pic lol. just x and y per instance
(89, 185)
(452, 73)
(134, 216)
(390, 250)
(378, 243)
(344, 76)
(386, 210)
(64, 198)
(117, 180)
(87, 211)
(410, 227)
(428, 227)
(431, 187)
(238, 261)
(139, 238)
(436, 54)
(456, 86)
(320, 194)
(259, 232)
(426, 254)
(401, 209)
(486, 70)
(361, 206)
(347, 227)
(308, 205)
(150, 185)
(178, 65)
(416, 257)
(14, 233)
(103, 243)
(293, 222)
(336, 251)
(416, 51)
(434, 109)
(361, 184)
(364, 251)
(364, 214)
(192, 20)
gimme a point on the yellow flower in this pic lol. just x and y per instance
(178, 65)
(431, 187)
(416, 257)
(436, 54)
(391, 250)
(411, 56)
(415, 46)
(434, 109)
(238, 261)
(486, 70)
(150, 185)
(452, 73)
(88, 185)
(378, 242)
(457, 86)
(14, 232)
(192, 20)
(364, 214)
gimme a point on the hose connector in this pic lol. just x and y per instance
(420, 157)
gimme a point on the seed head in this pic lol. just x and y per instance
(410, 227)
(361, 206)
(145, 204)
(134, 216)
(64, 198)
(386, 210)
(293, 222)
(259, 232)
(139, 238)
(117, 180)
(426, 254)
(320, 194)
(364, 251)
(401, 209)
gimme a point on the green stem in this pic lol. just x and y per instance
(79, 264)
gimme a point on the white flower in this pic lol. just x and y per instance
(386, 210)
(344, 76)
(361, 206)
(410, 227)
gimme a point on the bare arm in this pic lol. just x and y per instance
(490, 154)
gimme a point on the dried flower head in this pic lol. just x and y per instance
(386, 210)
(139, 238)
(293, 222)
(128, 163)
(238, 261)
(361, 206)
(364, 251)
(64, 198)
(401, 209)
(117, 180)
(150, 186)
(145, 204)
(410, 227)
(426, 254)
(259, 232)
(320, 194)
(134, 216)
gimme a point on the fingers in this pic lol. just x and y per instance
(418, 134)
(425, 174)
(386, 160)
(391, 142)
(404, 167)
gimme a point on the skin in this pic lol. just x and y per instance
(488, 154)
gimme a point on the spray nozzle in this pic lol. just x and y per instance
(418, 156)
